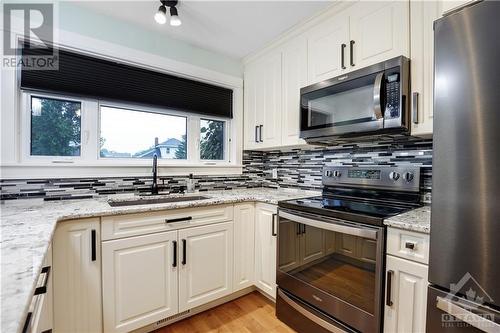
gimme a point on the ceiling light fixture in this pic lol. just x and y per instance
(161, 15)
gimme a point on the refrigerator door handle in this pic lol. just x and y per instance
(467, 316)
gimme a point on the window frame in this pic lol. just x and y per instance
(90, 128)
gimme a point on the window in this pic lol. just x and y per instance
(138, 134)
(55, 127)
(211, 139)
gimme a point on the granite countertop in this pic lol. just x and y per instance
(418, 220)
(27, 227)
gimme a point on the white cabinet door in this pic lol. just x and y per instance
(294, 78)
(206, 266)
(312, 245)
(408, 295)
(380, 31)
(244, 251)
(327, 43)
(250, 107)
(265, 248)
(270, 94)
(77, 276)
(139, 281)
(423, 14)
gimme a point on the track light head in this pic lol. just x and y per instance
(175, 21)
(161, 15)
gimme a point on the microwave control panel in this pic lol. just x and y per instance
(392, 96)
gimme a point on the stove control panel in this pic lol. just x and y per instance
(405, 178)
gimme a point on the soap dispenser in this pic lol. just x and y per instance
(190, 184)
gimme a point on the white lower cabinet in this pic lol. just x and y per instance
(265, 248)
(244, 247)
(139, 279)
(77, 277)
(408, 295)
(206, 270)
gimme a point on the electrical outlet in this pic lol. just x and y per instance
(275, 173)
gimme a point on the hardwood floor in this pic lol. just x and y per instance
(252, 313)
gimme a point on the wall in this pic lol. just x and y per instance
(83, 21)
(297, 168)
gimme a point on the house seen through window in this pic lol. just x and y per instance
(132, 134)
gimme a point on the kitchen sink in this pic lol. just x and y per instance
(152, 201)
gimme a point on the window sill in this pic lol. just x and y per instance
(81, 170)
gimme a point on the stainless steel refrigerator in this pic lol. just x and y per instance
(464, 268)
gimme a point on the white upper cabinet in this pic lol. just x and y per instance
(251, 123)
(378, 31)
(294, 58)
(139, 280)
(356, 35)
(263, 102)
(423, 14)
(328, 49)
(206, 264)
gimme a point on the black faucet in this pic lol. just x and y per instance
(154, 187)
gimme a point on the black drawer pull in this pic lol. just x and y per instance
(43, 288)
(273, 225)
(174, 262)
(410, 245)
(342, 51)
(93, 248)
(27, 322)
(183, 251)
(180, 219)
(388, 300)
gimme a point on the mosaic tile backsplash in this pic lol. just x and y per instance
(296, 168)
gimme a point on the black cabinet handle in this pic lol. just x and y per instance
(260, 133)
(180, 219)
(93, 244)
(183, 251)
(174, 262)
(273, 225)
(43, 288)
(256, 133)
(298, 229)
(342, 55)
(388, 296)
(27, 322)
(303, 228)
(351, 46)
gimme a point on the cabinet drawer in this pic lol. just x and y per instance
(408, 245)
(121, 226)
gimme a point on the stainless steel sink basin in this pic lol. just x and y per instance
(151, 200)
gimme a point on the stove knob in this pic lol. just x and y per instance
(408, 176)
(394, 175)
(328, 173)
(337, 173)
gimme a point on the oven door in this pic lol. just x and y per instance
(335, 266)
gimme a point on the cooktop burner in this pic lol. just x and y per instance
(357, 207)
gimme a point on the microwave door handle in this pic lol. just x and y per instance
(377, 96)
(332, 226)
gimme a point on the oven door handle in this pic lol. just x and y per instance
(332, 226)
(377, 96)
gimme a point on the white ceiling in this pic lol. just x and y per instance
(233, 28)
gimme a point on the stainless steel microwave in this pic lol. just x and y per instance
(367, 102)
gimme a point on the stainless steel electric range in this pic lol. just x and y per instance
(331, 248)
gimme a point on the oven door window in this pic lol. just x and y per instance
(342, 104)
(339, 264)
